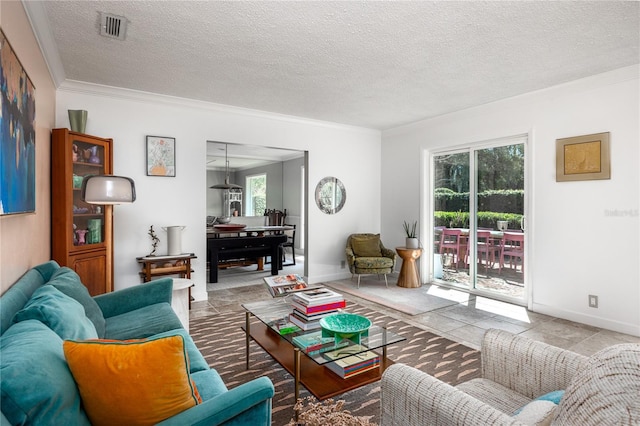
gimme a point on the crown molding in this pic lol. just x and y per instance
(92, 89)
(44, 36)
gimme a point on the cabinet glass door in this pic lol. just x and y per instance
(88, 219)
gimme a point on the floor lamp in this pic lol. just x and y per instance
(108, 189)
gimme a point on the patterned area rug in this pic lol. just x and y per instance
(222, 342)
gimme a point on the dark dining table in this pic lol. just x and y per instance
(229, 231)
(251, 242)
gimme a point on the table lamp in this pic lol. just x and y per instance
(108, 189)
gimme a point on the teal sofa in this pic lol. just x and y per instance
(36, 384)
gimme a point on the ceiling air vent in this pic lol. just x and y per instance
(113, 26)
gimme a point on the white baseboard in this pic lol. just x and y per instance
(595, 321)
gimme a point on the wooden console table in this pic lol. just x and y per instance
(156, 266)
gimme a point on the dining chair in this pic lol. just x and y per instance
(486, 246)
(291, 242)
(276, 217)
(512, 245)
(452, 241)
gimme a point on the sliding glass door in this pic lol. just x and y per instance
(478, 215)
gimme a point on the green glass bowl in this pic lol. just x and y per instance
(345, 325)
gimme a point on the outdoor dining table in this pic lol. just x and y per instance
(496, 236)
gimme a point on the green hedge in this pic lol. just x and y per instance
(485, 219)
(505, 200)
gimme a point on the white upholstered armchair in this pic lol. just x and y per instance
(602, 389)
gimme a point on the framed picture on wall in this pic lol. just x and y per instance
(584, 157)
(161, 156)
(18, 135)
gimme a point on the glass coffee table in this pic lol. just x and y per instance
(310, 369)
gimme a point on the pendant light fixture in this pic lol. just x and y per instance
(226, 184)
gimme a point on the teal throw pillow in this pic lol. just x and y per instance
(67, 281)
(62, 314)
(37, 386)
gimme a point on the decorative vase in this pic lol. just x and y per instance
(81, 234)
(174, 239)
(95, 231)
(411, 243)
(78, 120)
(93, 158)
(77, 181)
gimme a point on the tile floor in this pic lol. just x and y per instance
(464, 322)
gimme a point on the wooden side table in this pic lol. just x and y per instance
(155, 266)
(409, 277)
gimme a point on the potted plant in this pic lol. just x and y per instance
(410, 231)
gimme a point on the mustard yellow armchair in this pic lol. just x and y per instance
(367, 255)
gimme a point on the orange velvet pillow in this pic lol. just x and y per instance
(133, 382)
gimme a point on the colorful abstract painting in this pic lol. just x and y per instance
(18, 135)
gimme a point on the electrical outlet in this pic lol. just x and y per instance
(343, 264)
(593, 301)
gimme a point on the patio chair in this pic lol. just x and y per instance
(452, 241)
(512, 246)
(486, 245)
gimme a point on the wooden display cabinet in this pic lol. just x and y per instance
(81, 233)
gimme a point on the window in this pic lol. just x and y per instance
(478, 205)
(256, 195)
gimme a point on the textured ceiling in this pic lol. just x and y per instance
(371, 64)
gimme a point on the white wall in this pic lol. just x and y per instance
(578, 244)
(349, 153)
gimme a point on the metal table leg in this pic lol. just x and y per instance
(384, 350)
(296, 373)
(247, 329)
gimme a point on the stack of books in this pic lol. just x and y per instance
(314, 344)
(310, 306)
(354, 364)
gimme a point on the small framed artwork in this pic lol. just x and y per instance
(18, 135)
(584, 157)
(161, 156)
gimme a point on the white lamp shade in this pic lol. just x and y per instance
(108, 189)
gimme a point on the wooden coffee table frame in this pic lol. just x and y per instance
(318, 379)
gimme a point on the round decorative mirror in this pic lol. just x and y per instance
(330, 195)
